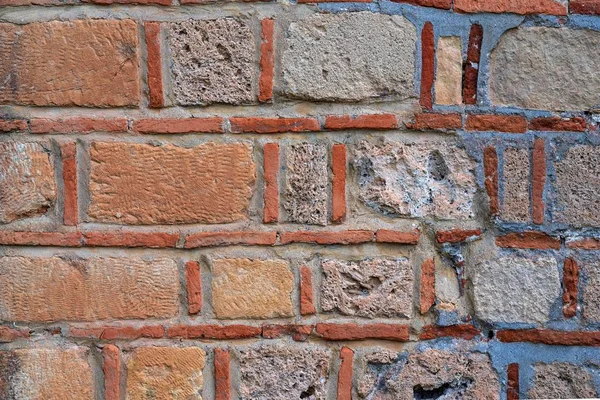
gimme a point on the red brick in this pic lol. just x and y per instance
(213, 331)
(344, 387)
(427, 290)
(112, 372)
(552, 7)
(265, 84)
(589, 7)
(500, 123)
(584, 244)
(222, 375)
(490, 167)
(321, 237)
(152, 2)
(193, 287)
(36, 2)
(551, 337)
(8, 334)
(332, 331)
(558, 124)
(463, 331)
(331, 1)
(367, 121)
(428, 65)
(186, 125)
(273, 125)
(299, 333)
(338, 166)
(457, 235)
(512, 388)
(271, 172)
(130, 239)
(570, 284)
(538, 181)
(528, 240)
(78, 125)
(118, 332)
(69, 173)
(397, 237)
(433, 121)
(444, 4)
(153, 46)
(471, 70)
(307, 306)
(12, 125)
(66, 239)
(250, 238)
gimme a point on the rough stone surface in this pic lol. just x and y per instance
(92, 63)
(53, 289)
(516, 199)
(515, 289)
(430, 374)
(283, 373)
(306, 184)
(577, 187)
(530, 65)
(244, 288)
(47, 374)
(425, 179)
(165, 373)
(27, 184)
(562, 381)
(591, 291)
(213, 61)
(143, 184)
(449, 67)
(369, 288)
(349, 57)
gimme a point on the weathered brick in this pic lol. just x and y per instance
(515, 289)
(365, 121)
(332, 331)
(165, 373)
(111, 366)
(499, 123)
(471, 70)
(218, 191)
(12, 125)
(349, 57)
(428, 65)
(563, 64)
(78, 125)
(222, 374)
(152, 31)
(590, 7)
(44, 373)
(213, 61)
(271, 190)
(553, 7)
(284, 372)
(513, 384)
(273, 125)
(267, 60)
(322, 237)
(307, 306)
(27, 181)
(538, 180)
(516, 178)
(551, 337)
(306, 184)
(228, 238)
(338, 184)
(528, 240)
(490, 168)
(464, 331)
(427, 285)
(432, 121)
(344, 388)
(244, 288)
(449, 66)
(91, 63)
(571, 288)
(368, 288)
(55, 289)
(562, 380)
(223, 332)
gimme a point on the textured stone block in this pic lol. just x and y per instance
(213, 61)
(449, 70)
(27, 184)
(144, 184)
(562, 381)
(369, 288)
(515, 289)
(39, 373)
(531, 65)
(517, 177)
(53, 289)
(591, 291)
(349, 57)
(243, 288)
(429, 374)
(425, 179)
(306, 184)
(165, 373)
(90, 63)
(284, 372)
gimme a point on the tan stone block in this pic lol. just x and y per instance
(448, 80)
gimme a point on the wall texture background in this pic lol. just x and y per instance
(311, 200)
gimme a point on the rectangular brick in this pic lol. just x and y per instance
(490, 168)
(499, 123)
(551, 337)
(8, 334)
(111, 366)
(538, 181)
(344, 387)
(249, 238)
(78, 125)
(224, 332)
(457, 235)
(193, 287)
(436, 122)
(589, 7)
(273, 125)
(558, 124)
(299, 333)
(332, 331)
(130, 239)
(65, 239)
(69, 173)
(444, 4)
(528, 240)
(584, 244)
(341, 237)
(117, 332)
(307, 306)
(366, 121)
(185, 125)
(471, 69)
(271, 191)
(512, 388)
(462, 331)
(552, 7)
(427, 65)
(398, 237)
(570, 287)
(90, 63)
(222, 375)
(153, 48)
(427, 283)
(267, 61)
(142, 2)
(338, 167)
(12, 125)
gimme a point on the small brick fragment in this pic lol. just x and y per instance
(428, 65)
(457, 235)
(12, 125)
(570, 287)
(538, 181)
(152, 31)
(193, 287)
(398, 237)
(222, 375)
(463, 331)
(512, 388)
(471, 69)
(490, 167)
(307, 306)
(427, 282)
(550, 337)
(267, 63)
(111, 367)
(69, 172)
(123, 238)
(299, 333)
(271, 191)
(338, 167)
(344, 388)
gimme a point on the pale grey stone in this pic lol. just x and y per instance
(515, 289)
(546, 68)
(562, 381)
(349, 57)
(591, 291)
(515, 204)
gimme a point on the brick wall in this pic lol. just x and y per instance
(299, 200)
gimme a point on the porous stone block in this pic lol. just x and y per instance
(349, 57)
(562, 381)
(284, 372)
(306, 184)
(368, 288)
(515, 289)
(516, 181)
(529, 66)
(449, 70)
(591, 291)
(213, 61)
(423, 179)
(27, 181)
